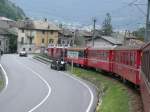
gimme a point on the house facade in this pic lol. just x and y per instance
(66, 37)
(8, 35)
(35, 36)
(4, 41)
(103, 41)
(69, 37)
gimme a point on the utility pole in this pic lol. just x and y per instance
(94, 25)
(147, 30)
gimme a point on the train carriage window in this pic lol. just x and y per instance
(117, 57)
(81, 54)
(92, 54)
(126, 58)
(132, 58)
(148, 63)
(121, 57)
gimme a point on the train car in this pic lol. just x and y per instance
(145, 78)
(126, 63)
(100, 58)
(77, 56)
(59, 53)
(50, 52)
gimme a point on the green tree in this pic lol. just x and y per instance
(13, 43)
(10, 10)
(140, 33)
(107, 26)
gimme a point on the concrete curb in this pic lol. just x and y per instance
(42, 59)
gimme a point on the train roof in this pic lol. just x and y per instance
(129, 47)
(57, 47)
(77, 48)
(102, 48)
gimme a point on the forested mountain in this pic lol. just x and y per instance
(10, 10)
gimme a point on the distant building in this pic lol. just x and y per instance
(68, 37)
(35, 36)
(104, 41)
(133, 41)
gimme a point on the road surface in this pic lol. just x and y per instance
(34, 87)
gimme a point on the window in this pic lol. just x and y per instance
(51, 32)
(6, 42)
(43, 32)
(22, 30)
(51, 41)
(81, 54)
(132, 59)
(24, 49)
(63, 42)
(30, 49)
(43, 40)
(22, 40)
(30, 41)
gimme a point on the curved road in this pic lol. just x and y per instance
(33, 87)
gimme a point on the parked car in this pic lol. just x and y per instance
(58, 65)
(23, 53)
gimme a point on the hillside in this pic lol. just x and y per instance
(9, 10)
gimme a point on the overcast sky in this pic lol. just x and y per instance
(82, 11)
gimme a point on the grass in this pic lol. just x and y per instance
(2, 84)
(115, 98)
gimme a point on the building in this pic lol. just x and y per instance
(132, 41)
(69, 37)
(66, 37)
(4, 41)
(8, 35)
(103, 41)
(35, 36)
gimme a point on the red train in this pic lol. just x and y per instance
(145, 77)
(123, 61)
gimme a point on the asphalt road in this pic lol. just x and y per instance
(34, 87)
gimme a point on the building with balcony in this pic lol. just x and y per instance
(35, 36)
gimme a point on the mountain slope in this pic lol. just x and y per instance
(8, 9)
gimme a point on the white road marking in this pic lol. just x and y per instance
(47, 84)
(85, 85)
(6, 77)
